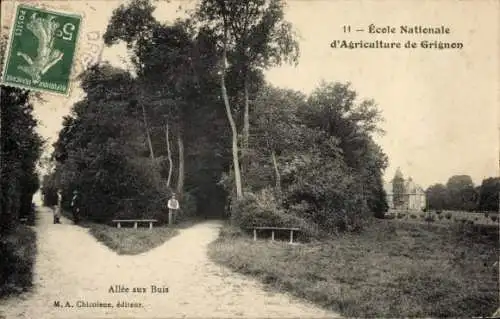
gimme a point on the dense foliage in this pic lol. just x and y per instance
(489, 191)
(100, 151)
(20, 149)
(193, 114)
(317, 154)
(460, 193)
(134, 140)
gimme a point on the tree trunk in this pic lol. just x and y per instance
(246, 120)
(236, 162)
(148, 136)
(180, 176)
(277, 172)
(169, 156)
(245, 132)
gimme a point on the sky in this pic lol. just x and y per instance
(440, 107)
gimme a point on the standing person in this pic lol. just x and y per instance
(173, 206)
(58, 208)
(75, 206)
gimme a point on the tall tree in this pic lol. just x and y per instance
(398, 189)
(461, 192)
(169, 156)
(437, 197)
(166, 59)
(488, 194)
(20, 149)
(252, 35)
(334, 109)
(316, 142)
(177, 71)
(275, 121)
(101, 151)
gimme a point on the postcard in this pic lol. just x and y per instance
(249, 159)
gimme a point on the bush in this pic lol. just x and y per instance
(332, 192)
(438, 212)
(486, 214)
(413, 216)
(448, 215)
(440, 217)
(493, 218)
(128, 187)
(261, 209)
(400, 215)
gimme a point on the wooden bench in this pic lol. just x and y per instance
(291, 229)
(135, 221)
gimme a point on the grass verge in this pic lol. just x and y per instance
(17, 259)
(387, 271)
(130, 241)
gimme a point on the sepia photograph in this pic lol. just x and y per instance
(249, 159)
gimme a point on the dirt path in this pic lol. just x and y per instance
(72, 266)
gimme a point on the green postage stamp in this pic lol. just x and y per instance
(41, 49)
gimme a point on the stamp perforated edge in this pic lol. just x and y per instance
(50, 9)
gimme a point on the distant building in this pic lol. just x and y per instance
(413, 197)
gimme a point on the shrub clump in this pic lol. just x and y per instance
(262, 209)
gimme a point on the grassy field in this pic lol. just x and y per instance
(390, 270)
(17, 258)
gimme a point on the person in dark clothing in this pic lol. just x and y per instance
(75, 206)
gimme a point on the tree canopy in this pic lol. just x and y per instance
(196, 106)
(460, 193)
(20, 150)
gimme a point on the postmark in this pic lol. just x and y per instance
(42, 49)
